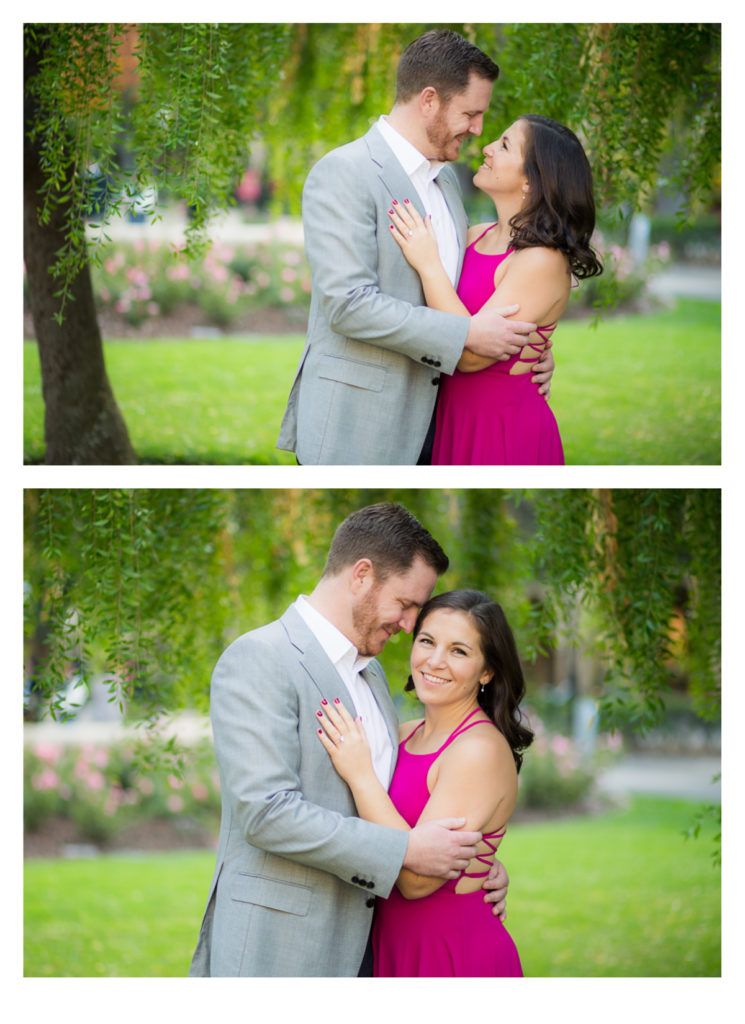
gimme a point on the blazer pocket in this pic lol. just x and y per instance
(356, 374)
(269, 892)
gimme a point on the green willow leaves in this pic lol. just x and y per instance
(147, 587)
(645, 98)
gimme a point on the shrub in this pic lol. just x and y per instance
(102, 790)
(141, 281)
(623, 284)
(554, 774)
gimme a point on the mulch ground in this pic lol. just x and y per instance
(60, 837)
(188, 321)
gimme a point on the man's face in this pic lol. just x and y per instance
(387, 608)
(453, 122)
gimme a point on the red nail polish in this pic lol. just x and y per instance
(324, 701)
(319, 714)
(390, 213)
(406, 201)
(320, 732)
(336, 700)
(395, 202)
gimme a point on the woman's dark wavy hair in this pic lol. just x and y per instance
(559, 212)
(502, 695)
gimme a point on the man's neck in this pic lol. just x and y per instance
(327, 600)
(410, 128)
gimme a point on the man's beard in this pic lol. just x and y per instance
(367, 628)
(441, 140)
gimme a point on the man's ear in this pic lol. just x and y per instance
(429, 101)
(362, 575)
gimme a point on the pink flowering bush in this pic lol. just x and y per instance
(142, 281)
(622, 282)
(104, 789)
(554, 775)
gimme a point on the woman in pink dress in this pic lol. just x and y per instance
(461, 760)
(539, 178)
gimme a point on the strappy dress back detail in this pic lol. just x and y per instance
(464, 726)
(484, 289)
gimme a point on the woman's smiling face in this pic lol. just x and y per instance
(447, 664)
(502, 169)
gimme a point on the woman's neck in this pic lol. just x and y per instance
(441, 721)
(500, 237)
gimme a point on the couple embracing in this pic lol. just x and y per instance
(414, 353)
(350, 844)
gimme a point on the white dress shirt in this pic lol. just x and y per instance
(349, 664)
(423, 173)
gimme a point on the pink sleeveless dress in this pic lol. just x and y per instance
(493, 417)
(446, 934)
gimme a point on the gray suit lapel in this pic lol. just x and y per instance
(400, 187)
(313, 659)
(395, 179)
(327, 681)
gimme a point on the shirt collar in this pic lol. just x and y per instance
(339, 648)
(412, 161)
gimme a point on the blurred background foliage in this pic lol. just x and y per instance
(185, 108)
(146, 587)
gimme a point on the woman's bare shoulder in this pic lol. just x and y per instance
(540, 258)
(483, 744)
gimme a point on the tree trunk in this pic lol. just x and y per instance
(82, 423)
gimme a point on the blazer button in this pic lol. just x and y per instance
(355, 879)
(435, 381)
(437, 363)
(370, 901)
(371, 885)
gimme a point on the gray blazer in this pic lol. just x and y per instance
(366, 384)
(297, 870)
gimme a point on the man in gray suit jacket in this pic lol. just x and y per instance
(297, 871)
(366, 385)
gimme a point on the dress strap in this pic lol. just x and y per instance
(415, 729)
(484, 233)
(463, 727)
(486, 858)
(538, 347)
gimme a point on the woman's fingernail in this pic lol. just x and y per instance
(336, 700)
(324, 701)
(320, 732)
(319, 714)
(406, 201)
(395, 202)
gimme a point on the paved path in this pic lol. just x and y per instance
(693, 282)
(688, 778)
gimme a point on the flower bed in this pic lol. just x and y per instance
(102, 792)
(103, 795)
(555, 776)
(144, 281)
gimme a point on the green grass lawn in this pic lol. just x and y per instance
(623, 895)
(636, 390)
